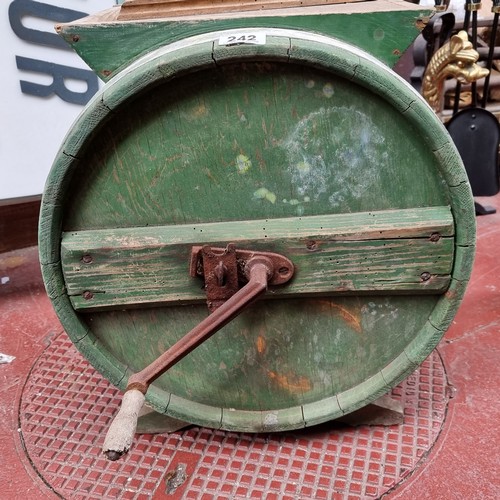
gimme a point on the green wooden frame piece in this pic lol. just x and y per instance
(109, 47)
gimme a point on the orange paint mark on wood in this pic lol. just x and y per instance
(209, 175)
(350, 316)
(199, 111)
(261, 344)
(291, 382)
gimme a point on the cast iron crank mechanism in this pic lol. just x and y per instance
(223, 270)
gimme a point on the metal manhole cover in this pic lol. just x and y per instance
(66, 406)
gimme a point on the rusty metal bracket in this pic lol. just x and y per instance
(223, 270)
(219, 268)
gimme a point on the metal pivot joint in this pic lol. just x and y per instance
(223, 270)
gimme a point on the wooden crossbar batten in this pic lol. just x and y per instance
(395, 251)
(154, 9)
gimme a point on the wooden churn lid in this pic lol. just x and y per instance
(284, 141)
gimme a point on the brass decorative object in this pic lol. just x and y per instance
(457, 59)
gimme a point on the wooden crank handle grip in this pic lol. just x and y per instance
(121, 432)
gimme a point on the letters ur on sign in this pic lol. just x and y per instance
(20, 9)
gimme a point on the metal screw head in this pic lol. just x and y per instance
(425, 276)
(76, 38)
(435, 237)
(312, 246)
(87, 259)
(87, 295)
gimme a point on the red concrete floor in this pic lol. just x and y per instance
(463, 463)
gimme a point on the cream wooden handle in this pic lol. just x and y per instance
(121, 431)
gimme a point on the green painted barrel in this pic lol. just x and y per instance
(293, 143)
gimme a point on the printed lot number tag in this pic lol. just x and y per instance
(247, 38)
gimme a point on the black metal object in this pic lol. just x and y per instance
(476, 131)
(491, 52)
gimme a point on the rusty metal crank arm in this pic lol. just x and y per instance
(259, 269)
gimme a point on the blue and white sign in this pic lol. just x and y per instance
(44, 86)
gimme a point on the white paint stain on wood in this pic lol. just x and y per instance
(328, 153)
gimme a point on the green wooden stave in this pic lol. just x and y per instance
(198, 133)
